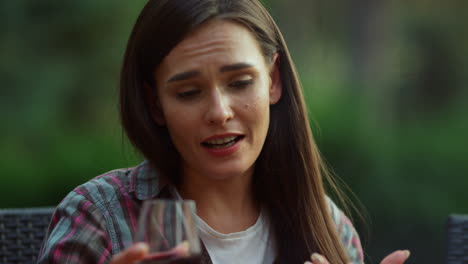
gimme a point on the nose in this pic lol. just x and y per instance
(219, 109)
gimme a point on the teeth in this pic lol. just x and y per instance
(223, 146)
(219, 141)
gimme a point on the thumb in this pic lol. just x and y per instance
(131, 254)
(397, 257)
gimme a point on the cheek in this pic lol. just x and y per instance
(261, 102)
(179, 124)
(258, 98)
(257, 110)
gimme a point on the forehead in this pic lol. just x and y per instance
(216, 31)
(215, 42)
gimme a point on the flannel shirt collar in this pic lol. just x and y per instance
(146, 182)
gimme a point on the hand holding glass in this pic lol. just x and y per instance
(170, 230)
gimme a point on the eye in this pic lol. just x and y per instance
(188, 94)
(243, 83)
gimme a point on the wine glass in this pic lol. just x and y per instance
(169, 228)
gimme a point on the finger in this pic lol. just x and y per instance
(397, 257)
(182, 250)
(318, 259)
(131, 254)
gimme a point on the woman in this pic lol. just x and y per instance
(209, 95)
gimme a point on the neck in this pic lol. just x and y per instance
(226, 205)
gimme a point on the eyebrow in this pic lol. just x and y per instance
(235, 67)
(191, 74)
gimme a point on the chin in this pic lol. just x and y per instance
(227, 173)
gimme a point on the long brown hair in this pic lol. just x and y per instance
(288, 178)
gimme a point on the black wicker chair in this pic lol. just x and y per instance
(21, 233)
(457, 239)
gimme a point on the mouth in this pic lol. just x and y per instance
(222, 142)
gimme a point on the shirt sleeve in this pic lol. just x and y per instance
(347, 234)
(76, 234)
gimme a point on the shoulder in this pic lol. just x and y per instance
(118, 191)
(105, 188)
(94, 196)
(96, 217)
(347, 233)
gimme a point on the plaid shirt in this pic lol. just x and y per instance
(98, 219)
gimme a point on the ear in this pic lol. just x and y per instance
(154, 105)
(276, 86)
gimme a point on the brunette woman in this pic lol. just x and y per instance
(210, 97)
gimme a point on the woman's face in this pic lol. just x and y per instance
(214, 92)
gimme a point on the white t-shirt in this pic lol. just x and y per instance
(255, 245)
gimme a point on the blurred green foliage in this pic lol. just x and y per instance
(385, 82)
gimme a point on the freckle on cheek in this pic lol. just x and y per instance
(246, 106)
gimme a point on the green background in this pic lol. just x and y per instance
(385, 81)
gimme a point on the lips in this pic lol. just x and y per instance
(222, 141)
(223, 145)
